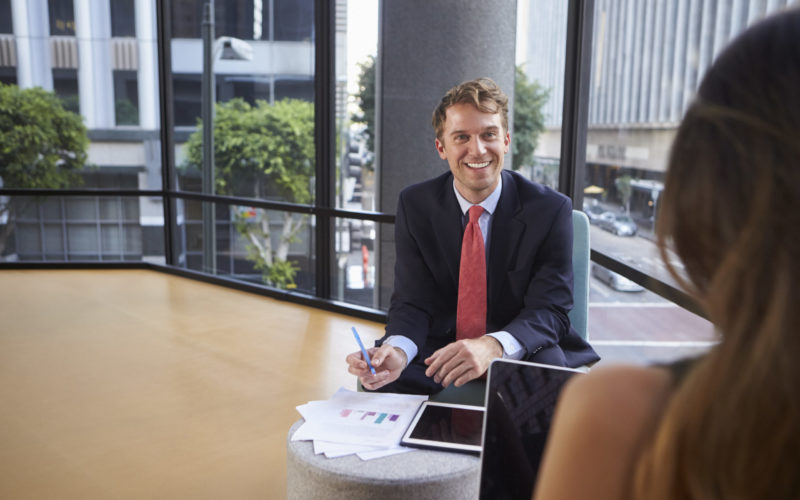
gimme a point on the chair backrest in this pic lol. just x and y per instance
(579, 315)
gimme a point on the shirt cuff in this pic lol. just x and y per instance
(405, 344)
(512, 349)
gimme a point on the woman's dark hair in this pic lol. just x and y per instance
(731, 211)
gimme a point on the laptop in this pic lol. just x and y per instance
(520, 401)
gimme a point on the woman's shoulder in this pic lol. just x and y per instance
(601, 421)
(619, 394)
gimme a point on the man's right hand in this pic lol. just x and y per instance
(389, 363)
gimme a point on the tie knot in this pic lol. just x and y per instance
(475, 212)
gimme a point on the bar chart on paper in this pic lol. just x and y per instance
(359, 418)
(369, 417)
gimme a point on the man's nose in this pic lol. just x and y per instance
(477, 147)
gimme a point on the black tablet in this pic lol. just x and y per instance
(446, 426)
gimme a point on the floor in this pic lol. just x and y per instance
(139, 384)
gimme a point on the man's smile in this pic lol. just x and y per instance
(478, 165)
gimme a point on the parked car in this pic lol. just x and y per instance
(619, 224)
(614, 280)
(593, 212)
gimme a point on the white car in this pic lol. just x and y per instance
(614, 280)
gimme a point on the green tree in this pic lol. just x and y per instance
(366, 100)
(42, 146)
(529, 99)
(624, 190)
(263, 151)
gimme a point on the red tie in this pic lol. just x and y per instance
(471, 312)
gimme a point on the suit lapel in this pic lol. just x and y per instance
(507, 229)
(446, 222)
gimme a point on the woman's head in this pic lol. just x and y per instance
(731, 206)
(731, 210)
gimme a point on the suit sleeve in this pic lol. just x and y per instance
(542, 321)
(414, 300)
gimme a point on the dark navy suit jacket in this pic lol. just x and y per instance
(529, 274)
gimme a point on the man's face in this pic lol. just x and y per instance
(473, 143)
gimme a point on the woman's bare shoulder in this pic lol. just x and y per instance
(619, 389)
(600, 423)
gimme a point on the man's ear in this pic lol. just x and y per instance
(440, 149)
(507, 141)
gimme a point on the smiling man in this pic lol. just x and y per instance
(484, 261)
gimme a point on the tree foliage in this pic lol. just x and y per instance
(263, 151)
(529, 99)
(366, 99)
(42, 146)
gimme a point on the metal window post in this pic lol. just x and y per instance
(209, 217)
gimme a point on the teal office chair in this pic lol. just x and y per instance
(579, 315)
(474, 392)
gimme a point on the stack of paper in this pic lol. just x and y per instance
(365, 423)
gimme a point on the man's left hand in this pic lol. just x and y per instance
(463, 360)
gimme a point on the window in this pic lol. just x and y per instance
(126, 97)
(8, 75)
(123, 18)
(186, 92)
(294, 88)
(6, 26)
(294, 20)
(62, 17)
(94, 228)
(237, 18)
(539, 89)
(65, 86)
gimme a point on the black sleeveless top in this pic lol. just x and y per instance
(680, 368)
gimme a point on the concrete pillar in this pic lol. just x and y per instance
(31, 32)
(95, 80)
(145, 13)
(425, 48)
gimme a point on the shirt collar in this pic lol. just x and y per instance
(489, 204)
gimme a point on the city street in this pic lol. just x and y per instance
(640, 327)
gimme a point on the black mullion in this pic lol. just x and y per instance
(163, 40)
(577, 73)
(324, 129)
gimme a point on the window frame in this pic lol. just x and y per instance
(571, 173)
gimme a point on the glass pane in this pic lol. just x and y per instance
(264, 112)
(6, 26)
(80, 235)
(65, 86)
(294, 20)
(81, 208)
(123, 18)
(355, 107)
(81, 240)
(109, 209)
(354, 270)
(126, 97)
(62, 17)
(119, 88)
(539, 89)
(8, 75)
(260, 246)
(110, 238)
(53, 239)
(648, 59)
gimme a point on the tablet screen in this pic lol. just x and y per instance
(446, 426)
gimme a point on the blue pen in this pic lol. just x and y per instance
(363, 351)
